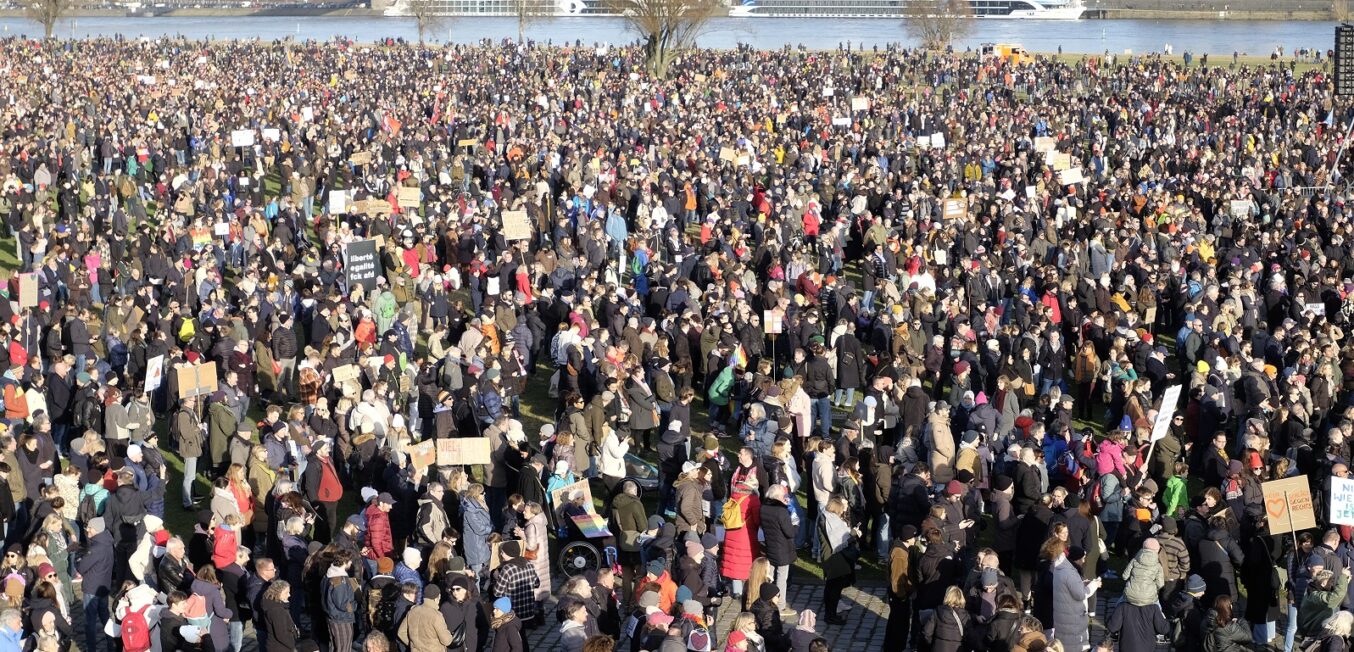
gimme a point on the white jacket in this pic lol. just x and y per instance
(613, 456)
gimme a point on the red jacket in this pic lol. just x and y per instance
(225, 543)
(331, 490)
(379, 541)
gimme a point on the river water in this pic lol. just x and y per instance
(1095, 36)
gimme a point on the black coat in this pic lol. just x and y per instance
(1031, 534)
(461, 615)
(910, 503)
(1260, 576)
(1027, 489)
(1218, 556)
(280, 632)
(1136, 627)
(850, 362)
(779, 532)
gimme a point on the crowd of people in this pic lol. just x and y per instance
(894, 310)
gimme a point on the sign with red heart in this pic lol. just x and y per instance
(1288, 505)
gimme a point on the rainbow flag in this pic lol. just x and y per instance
(739, 357)
(592, 526)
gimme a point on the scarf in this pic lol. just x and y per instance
(500, 621)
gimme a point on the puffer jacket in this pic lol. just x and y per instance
(1232, 637)
(947, 629)
(1143, 578)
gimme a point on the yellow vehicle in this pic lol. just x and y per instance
(1011, 53)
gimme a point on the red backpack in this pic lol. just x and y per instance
(136, 631)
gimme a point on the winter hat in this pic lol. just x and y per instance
(989, 577)
(954, 488)
(694, 549)
(655, 568)
(1002, 482)
(385, 566)
(503, 604)
(693, 608)
(1195, 584)
(658, 619)
(412, 557)
(648, 599)
(684, 593)
(770, 590)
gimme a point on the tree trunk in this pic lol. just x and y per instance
(49, 27)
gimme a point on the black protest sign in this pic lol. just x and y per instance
(363, 265)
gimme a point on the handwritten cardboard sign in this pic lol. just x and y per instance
(1341, 501)
(561, 495)
(516, 226)
(1288, 505)
(28, 290)
(954, 209)
(196, 380)
(466, 450)
(409, 197)
(423, 454)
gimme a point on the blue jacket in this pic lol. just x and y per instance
(10, 641)
(340, 599)
(406, 575)
(475, 533)
(96, 565)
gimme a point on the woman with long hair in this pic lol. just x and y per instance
(838, 556)
(1222, 631)
(279, 631)
(760, 572)
(209, 587)
(244, 497)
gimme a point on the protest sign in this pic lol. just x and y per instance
(954, 209)
(362, 265)
(937, 141)
(516, 226)
(360, 158)
(1240, 207)
(28, 290)
(1044, 144)
(1341, 501)
(1071, 177)
(841, 121)
(1315, 308)
(465, 450)
(1169, 399)
(423, 454)
(727, 154)
(772, 323)
(338, 201)
(467, 142)
(272, 135)
(242, 138)
(409, 197)
(860, 104)
(592, 526)
(196, 380)
(155, 373)
(1288, 505)
(561, 495)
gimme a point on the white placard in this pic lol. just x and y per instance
(155, 373)
(841, 121)
(1341, 501)
(242, 138)
(338, 201)
(1169, 399)
(272, 135)
(1070, 177)
(937, 141)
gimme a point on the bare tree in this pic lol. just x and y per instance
(936, 24)
(530, 11)
(47, 12)
(667, 26)
(427, 17)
